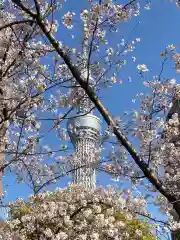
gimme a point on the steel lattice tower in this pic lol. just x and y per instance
(84, 131)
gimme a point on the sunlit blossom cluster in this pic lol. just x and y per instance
(75, 213)
(176, 59)
(67, 20)
(142, 68)
(156, 126)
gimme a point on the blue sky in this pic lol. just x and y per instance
(157, 28)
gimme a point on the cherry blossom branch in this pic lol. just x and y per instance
(100, 107)
(104, 112)
(91, 45)
(57, 177)
(153, 219)
(109, 206)
(37, 5)
(16, 23)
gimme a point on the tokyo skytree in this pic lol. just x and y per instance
(84, 130)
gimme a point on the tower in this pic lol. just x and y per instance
(84, 130)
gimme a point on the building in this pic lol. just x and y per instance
(84, 131)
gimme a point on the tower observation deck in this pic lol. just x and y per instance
(84, 132)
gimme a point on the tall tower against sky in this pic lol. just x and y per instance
(84, 131)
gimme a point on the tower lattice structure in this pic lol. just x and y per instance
(84, 130)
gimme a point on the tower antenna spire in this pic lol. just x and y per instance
(85, 43)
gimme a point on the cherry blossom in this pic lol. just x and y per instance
(142, 68)
(35, 94)
(75, 213)
(67, 20)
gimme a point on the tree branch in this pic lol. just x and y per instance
(15, 23)
(104, 112)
